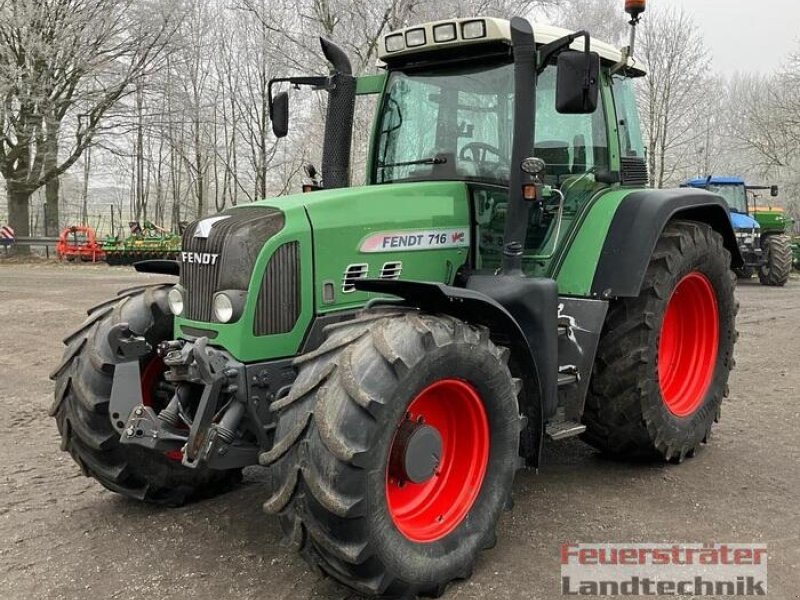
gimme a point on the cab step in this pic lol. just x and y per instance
(560, 430)
(567, 378)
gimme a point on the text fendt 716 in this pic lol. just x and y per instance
(395, 352)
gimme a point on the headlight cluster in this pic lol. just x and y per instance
(228, 305)
(745, 239)
(442, 33)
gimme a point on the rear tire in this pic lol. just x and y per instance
(778, 250)
(337, 494)
(81, 407)
(637, 407)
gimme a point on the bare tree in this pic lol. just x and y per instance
(603, 19)
(677, 64)
(58, 56)
(764, 127)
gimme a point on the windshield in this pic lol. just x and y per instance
(456, 122)
(734, 195)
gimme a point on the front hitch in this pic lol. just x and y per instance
(210, 436)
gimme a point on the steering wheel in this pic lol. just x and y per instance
(479, 151)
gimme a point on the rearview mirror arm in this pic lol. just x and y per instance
(551, 50)
(318, 82)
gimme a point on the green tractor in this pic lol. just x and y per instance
(394, 353)
(774, 221)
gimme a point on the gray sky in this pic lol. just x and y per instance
(745, 35)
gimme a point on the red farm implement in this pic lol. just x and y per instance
(79, 242)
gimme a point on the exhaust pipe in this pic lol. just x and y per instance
(339, 119)
(524, 47)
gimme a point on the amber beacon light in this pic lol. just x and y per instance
(635, 7)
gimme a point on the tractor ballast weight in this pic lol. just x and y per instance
(394, 352)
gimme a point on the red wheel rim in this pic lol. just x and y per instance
(687, 351)
(428, 511)
(151, 377)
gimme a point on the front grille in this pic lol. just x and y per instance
(236, 241)
(634, 171)
(278, 306)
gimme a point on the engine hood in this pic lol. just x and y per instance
(741, 221)
(421, 229)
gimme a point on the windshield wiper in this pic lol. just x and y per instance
(434, 160)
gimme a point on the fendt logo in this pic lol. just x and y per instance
(199, 258)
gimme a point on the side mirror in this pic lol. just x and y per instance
(279, 114)
(577, 82)
(773, 191)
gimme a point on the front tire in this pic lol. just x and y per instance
(778, 267)
(81, 408)
(343, 493)
(664, 357)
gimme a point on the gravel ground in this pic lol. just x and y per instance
(64, 536)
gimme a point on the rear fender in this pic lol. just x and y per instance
(638, 223)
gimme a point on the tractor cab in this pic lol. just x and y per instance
(450, 110)
(450, 116)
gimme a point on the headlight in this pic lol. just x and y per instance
(394, 43)
(175, 300)
(223, 308)
(472, 30)
(746, 239)
(444, 33)
(415, 37)
(228, 305)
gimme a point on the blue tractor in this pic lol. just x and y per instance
(766, 251)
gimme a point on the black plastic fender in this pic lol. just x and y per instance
(637, 225)
(160, 266)
(522, 313)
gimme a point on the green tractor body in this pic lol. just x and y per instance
(395, 352)
(418, 231)
(773, 220)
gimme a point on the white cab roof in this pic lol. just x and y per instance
(496, 30)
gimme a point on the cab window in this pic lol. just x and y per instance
(630, 131)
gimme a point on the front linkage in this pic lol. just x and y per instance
(225, 429)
